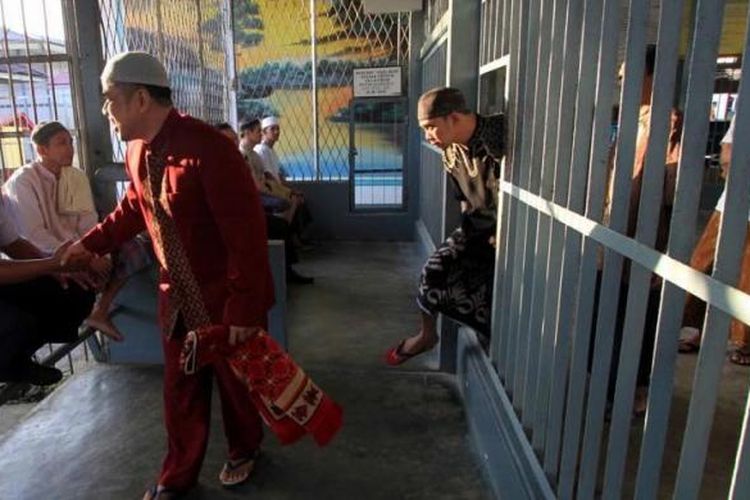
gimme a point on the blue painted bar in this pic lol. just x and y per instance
(740, 488)
(510, 206)
(546, 354)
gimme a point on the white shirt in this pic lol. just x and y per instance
(728, 137)
(8, 233)
(270, 160)
(31, 199)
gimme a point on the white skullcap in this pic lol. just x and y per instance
(135, 67)
(269, 121)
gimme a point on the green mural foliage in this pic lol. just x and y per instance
(248, 25)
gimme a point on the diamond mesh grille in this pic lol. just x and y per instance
(349, 38)
(272, 43)
(274, 61)
(188, 36)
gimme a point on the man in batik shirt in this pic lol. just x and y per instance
(457, 279)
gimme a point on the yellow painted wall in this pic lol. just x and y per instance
(733, 29)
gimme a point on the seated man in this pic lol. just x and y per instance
(34, 307)
(276, 177)
(51, 203)
(276, 198)
(278, 217)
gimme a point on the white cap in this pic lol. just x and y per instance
(269, 121)
(135, 67)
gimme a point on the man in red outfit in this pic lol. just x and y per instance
(196, 198)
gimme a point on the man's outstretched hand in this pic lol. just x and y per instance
(75, 256)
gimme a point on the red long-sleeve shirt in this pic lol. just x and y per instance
(216, 209)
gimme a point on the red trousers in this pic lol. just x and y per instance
(703, 260)
(187, 416)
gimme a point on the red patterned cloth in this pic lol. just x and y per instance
(287, 399)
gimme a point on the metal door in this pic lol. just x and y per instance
(377, 147)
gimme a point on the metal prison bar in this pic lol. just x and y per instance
(563, 58)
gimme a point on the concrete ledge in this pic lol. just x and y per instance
(506, 456)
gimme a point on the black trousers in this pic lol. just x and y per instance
(279, 229)
(36, 312)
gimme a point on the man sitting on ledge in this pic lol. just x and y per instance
(457, 278)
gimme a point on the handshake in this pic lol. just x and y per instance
(71, 261)
(73, 256)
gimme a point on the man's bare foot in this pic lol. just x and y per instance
(104, 325)
(417, 344)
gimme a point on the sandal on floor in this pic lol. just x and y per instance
(158, 492)
(241, 468)
(396, 355)
(740, 356)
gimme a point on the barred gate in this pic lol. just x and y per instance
(37, 81)
(554, 341)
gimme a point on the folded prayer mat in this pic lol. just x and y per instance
(291, 404)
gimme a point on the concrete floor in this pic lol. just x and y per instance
(100, 435)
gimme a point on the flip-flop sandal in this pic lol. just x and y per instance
(740, 356)
(396, 355)
(243, 468)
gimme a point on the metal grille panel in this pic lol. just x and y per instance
(433, 13)
(36, 81)
(189, 37)
(494, 36)
(299, 67)
(273, 48)
(579, 308)
(348, 38)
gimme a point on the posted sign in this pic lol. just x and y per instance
(377, 82)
